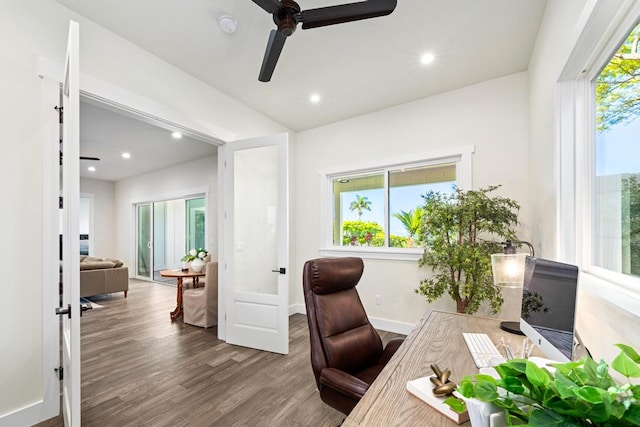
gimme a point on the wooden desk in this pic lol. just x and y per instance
(437, 339)
(180, 275)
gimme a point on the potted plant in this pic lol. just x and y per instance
(196, 258)
(459, 232)
(576, 394)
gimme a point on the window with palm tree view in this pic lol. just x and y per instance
(383, 208)
(616, 192)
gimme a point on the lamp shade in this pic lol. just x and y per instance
(508, 270)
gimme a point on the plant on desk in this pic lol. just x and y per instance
(577, 394)
(455, 233)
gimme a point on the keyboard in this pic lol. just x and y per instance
(483, 351)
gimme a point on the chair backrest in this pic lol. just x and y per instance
(340, 332)
(211, 281)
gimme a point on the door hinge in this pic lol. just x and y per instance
(60, 371)
(60, 111)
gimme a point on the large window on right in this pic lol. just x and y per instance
(616, 165)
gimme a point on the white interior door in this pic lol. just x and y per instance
(255, 241)
(70, 232)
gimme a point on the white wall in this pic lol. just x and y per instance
(492, 116)
(165, 184)
(22, 224)
(553, 46)
(104, 244)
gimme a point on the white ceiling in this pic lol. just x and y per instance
(106, 134)
(356, 67)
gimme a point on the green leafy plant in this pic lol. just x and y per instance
(411, 221)
(459, 233)
(361, 233)
(579, 393)
(360, 204)
(195, 253)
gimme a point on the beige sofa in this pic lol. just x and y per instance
(102, 276)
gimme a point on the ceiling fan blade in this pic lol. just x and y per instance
(271, 6)
(89, 158)
(271, 55)
(330, 15)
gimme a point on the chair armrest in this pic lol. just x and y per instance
(390, 350)
(344, 383)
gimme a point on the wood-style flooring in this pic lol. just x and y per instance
(140, 369)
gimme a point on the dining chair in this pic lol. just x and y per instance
(200, 305)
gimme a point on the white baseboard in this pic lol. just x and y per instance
(378, 323)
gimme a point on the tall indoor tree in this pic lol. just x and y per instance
(459, 233)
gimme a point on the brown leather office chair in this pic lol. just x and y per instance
(346, 351)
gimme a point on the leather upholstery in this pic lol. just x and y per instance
(346, 352)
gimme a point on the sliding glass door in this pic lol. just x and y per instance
(166, 231)
(144, 241)
(195, 223)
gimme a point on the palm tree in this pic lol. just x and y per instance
(411, 221)
(360, 204)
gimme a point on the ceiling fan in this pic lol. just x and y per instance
(287, 15)
(96, 159)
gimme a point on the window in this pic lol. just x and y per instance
(377, 210)
(616, 166)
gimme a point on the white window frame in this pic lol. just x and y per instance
(461, 156)
(607, 26)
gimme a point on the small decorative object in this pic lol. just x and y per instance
(196, 258)
(565, 394)
(436, 391)
(443, 386)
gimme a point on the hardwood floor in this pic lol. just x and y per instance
(139, 369)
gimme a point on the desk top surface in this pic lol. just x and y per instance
(436, 339)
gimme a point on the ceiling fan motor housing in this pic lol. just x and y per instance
(286, 19)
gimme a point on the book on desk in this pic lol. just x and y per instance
(423, 390)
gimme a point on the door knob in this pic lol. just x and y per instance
(281, 270)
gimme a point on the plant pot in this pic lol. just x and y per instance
(197, 265)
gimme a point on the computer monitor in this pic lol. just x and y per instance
(549, 306)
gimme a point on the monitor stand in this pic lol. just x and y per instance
(513, 327)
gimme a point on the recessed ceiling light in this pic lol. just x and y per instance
(427, 58)
(176, 135)
(91, 169)
(314, 98)
(126, 155)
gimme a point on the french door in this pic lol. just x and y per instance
(254, 234)
(70, 231)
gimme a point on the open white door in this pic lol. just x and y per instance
(254, 261)
(70, 232)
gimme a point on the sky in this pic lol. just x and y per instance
(618, 149)
(404, 198)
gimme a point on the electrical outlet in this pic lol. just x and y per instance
(378, 302)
